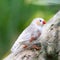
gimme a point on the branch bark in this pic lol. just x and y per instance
(49, 40)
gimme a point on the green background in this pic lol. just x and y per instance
(16, 15)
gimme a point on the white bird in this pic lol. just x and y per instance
(31, 33)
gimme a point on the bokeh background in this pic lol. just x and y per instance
(16, 15)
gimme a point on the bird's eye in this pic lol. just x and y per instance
(40, 20)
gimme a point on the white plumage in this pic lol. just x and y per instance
(34, 29)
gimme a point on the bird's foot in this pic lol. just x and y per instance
(36, 47)
(25, 46)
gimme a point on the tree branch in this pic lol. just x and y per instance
(49, 40)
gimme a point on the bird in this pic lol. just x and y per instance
(30, 34)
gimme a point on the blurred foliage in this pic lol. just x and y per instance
(16, 15)
(43, 2)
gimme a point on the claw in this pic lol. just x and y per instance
(25, 46)
(36, 47)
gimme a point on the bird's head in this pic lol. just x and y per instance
(39, 21)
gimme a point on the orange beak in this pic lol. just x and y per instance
(44, 22)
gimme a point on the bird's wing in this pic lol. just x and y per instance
(24, 36)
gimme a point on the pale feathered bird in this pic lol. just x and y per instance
(31, 33)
